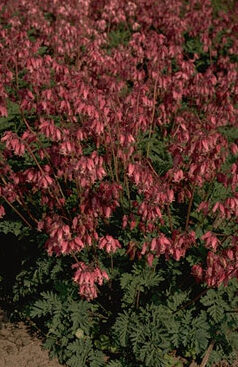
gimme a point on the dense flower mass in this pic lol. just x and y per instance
(126, 120)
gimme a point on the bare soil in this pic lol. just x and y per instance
(19, 348)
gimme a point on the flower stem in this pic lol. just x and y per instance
(17, 212)
(189, 208)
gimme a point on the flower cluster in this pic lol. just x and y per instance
(87, 277)
(128, 133)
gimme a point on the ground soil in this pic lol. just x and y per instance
(20, 348)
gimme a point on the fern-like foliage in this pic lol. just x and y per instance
(49, 304)
(14, 227)
(115, 363)
(139, 280)
(83, 354)
(221, 305)
(121, 328)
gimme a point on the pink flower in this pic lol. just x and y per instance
(109, 244)
(2, 211)
(86, 277)
(197, 272)
(211, 240)
(150, 258)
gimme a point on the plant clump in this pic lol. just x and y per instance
(119, 145)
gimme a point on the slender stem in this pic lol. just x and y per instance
(27, 210)
(221, 234)
(207, 354)
(110, 280)
(43, 173)
(3, 180)
(114, 156)
(111, 171)
(170, 218)
(21, 203)
(137, 298)
(17, 212)
(115, 165)
(114, 159)
(98, 315)
(17, 82)
(189, 208)
(152, 168)
(100, 305)
(204, 291)
(127, 189)
(232, 311)
(137, 103)
(34, 158)
(75, 258)
(152, 117)
(47, 155)
(111, 263)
